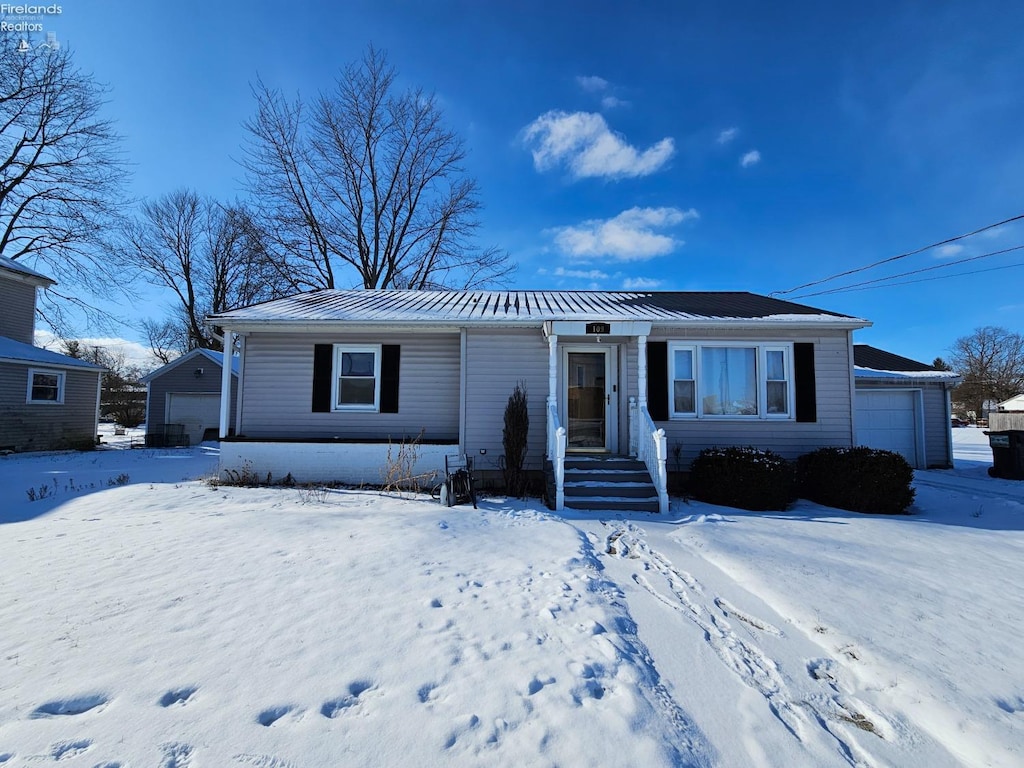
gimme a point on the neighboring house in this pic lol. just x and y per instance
(48, 401)
(329, 378)
(186, 393)
(1009, 414)
(904, 406)
(1015, 404)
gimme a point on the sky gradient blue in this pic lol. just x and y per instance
(880, 128)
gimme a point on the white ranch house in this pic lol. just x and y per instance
(327, 380)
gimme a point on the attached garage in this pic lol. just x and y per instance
(891, 419)
(903, 406)
(183, 398)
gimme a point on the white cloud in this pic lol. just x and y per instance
(640, 284)
(581, 274)
(135, 354)
(584, 142)
(630, 236)
(611, 102)
(592, 83)
(728, 135)
(753, 157)
(952, 249)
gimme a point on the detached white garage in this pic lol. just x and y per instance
(183, 398)
(903, 406)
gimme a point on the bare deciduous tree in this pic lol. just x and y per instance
(210, 256)
(61, 171)
(367, 183)
(991, 360)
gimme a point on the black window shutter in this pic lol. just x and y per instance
(803, 371)
(323, 367)
(657, 380)
(390, 356)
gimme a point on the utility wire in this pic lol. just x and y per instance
(845, 288)
(919, 280)
(900, 256)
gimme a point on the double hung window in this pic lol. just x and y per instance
(357, 377)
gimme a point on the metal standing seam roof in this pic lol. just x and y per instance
(485, 307)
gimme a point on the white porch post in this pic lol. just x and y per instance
(641, 370)
(225, 384)
(553, 369)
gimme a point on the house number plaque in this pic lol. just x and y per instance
(599, 328)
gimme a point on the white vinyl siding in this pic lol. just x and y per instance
(730, 380)
(495, 361)
(278, 384)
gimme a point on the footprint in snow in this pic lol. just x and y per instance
(5, 756)
(176, 755)
(74, 706)
(336, 707)
(268, 717)
(65, 750)
(179, 696)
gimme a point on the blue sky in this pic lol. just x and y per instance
(665, 145)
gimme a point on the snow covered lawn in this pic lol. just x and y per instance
(148, 619)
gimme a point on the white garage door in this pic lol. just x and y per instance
(888, 420)
(197, 412)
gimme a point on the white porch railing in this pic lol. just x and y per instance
(557, 442)
(647, 442)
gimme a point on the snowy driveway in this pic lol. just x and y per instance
(163, 622)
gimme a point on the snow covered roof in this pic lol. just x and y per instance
(874, 363)
(527, 308)
(21, 271)
(1015, 403)
(12, 351)
(209, 354)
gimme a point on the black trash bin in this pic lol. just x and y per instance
(1007, 454)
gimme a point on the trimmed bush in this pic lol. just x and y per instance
(748, 478)
(858, 479)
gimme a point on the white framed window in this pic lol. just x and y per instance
(683, 381)
(730, 380)
(45, 387)
(356, 384)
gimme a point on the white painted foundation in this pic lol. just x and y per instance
(352, 463)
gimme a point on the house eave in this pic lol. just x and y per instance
(453, 326)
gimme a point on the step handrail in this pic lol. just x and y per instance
(557, 442)
(649, 444)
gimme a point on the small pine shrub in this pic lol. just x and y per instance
(514, 440)
(747, 478)
(858, 479)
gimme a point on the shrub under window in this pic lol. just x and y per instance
(858, 479)
(747, 478)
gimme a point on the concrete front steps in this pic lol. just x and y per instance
(602, 481)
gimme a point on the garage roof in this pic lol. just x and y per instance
(208, 354)
(872, 362)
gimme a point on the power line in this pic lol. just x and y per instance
(920, 280)
(845, 288)
(897, 258)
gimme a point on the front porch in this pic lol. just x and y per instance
(585, 461)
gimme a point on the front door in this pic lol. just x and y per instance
(587, 400)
